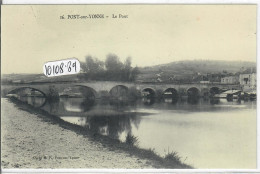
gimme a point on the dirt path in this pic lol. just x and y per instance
(30, 142)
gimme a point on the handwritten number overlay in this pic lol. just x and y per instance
(61, 67)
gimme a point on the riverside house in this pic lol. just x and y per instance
(230, 80)
(248, 82)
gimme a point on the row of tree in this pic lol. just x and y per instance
(110, 69)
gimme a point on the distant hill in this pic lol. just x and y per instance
(28, 78)
(202, 66)
(190, 67)
(178, 70)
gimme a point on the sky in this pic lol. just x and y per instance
(152, 34)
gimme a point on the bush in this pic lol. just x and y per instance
(131, 140)
(173, 156)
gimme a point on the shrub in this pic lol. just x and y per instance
(131, 140)
(173, 156)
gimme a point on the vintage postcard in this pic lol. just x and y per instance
(128, 86)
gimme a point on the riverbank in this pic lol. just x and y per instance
(34, 139)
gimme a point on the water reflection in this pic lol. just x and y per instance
(193, 100)
(34, 101)
(112, 126)
(28, 95)
(214, 101)
(85, 106)
(148, 100)
(162, 124)
(121, 105)
(116, 127)
(77, 104)
(171, 100)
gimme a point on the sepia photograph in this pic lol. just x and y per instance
(160, 86)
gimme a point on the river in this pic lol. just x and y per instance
(204, 133)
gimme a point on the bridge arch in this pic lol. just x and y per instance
(14, 91)
(88, 89)
(79, 90)
(29, 95)
(170, 95)
(171, 92)
(148, 92)
(193, 92)
(119, 92)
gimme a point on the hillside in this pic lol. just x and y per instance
(178, 71)
(201, 66)
(28, 78)
(187, 69)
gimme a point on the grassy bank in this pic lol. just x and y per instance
(172, 160)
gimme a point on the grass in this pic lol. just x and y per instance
(172, 161)
(172, 156)
(131, 140)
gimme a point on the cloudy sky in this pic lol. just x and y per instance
(152, 34)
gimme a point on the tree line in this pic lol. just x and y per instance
(110, 69)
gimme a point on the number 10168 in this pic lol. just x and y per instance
(61, 67)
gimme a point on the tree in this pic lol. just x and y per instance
(127, 69)
(111, 69)
(93, 65)
(114, 67)
(134, 73)
(113, 63)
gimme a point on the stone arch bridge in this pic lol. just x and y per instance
(100, 88)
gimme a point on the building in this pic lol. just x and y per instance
(248, 81)
(230, 80)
